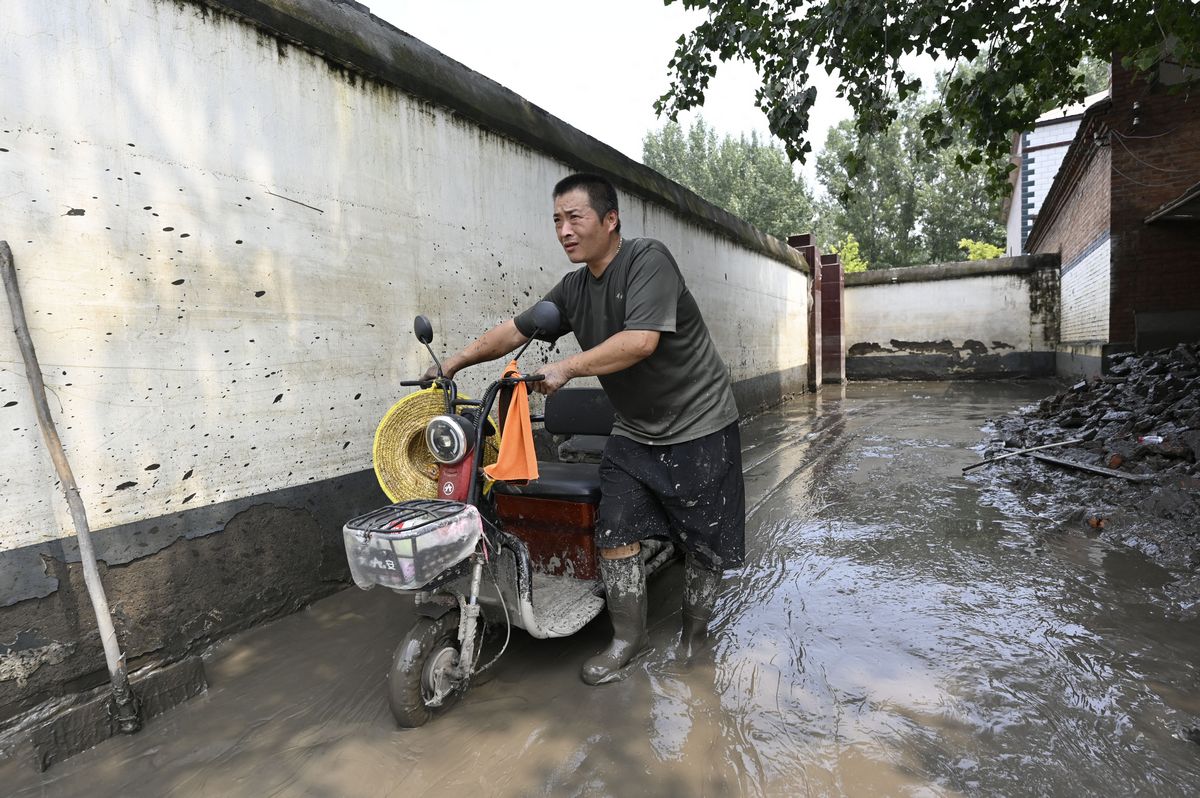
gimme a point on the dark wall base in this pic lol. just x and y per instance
(223, 568)
(89, 722)
(950, 366)
(759, 393)
(177, 583)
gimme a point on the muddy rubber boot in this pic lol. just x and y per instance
(625, 590)
(699, 594)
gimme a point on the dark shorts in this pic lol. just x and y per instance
(691, 492)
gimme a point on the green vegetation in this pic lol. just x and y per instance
(980, 250)
(850, 259)
(749, 178)
(905, 203)
(1034, 46)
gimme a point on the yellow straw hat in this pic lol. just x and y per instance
(403, 465)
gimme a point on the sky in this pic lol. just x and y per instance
(598, 65)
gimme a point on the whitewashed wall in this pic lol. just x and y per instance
(222, 242)
(971, 319)
(975, 308)
(1086, 285)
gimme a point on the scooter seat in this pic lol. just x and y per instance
(568, 482)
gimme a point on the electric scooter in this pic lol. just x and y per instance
(487, 555)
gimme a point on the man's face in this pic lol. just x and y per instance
(584, 236)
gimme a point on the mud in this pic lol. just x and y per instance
(1142, 421)
(897, 629)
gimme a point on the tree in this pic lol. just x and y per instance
(903, 203)
(750, 178)
(1094, 74)
(1034, 46)
(848, 255)
(980, 250)
(875, 202)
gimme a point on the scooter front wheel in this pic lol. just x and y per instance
(420, 681)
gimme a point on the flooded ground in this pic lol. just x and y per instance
(898, 629)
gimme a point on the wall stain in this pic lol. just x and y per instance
(867, 348)
(943, 347)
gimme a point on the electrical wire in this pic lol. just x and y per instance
(1139, 182)
(1125, 147)
(507, 624)
(1121, 135)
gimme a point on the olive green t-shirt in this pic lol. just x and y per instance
(679, 393)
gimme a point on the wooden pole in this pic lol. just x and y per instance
(126, 709)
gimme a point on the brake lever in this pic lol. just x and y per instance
(421, 383)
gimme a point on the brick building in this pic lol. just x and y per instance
(1123, 214)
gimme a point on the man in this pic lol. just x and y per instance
(673, 463)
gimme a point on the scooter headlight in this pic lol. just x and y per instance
(446, 437)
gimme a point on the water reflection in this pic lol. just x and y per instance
(888, 610)
(897, 630)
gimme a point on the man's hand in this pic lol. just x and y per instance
(431, 373)
(557, 375)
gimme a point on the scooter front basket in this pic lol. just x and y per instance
(405, 546)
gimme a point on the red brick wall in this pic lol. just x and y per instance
(1083, 214)
(1074, 223)
(833, 349)
(1155, 267)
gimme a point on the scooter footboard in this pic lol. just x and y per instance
(543, 605)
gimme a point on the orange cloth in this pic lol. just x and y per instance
(517, 460)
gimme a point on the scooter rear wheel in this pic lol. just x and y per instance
(418, 683)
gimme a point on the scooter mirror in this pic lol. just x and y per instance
(423, 330)
(546, 317)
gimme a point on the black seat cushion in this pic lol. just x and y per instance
(579, 411)
(570, 482)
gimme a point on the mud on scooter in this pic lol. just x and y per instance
(535, 542)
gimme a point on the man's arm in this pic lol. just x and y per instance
(500, 340)
(616, 353)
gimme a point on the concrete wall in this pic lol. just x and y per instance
(224, 217)
(975, 319)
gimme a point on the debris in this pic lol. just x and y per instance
(1021, 451)
(1108, 472)
(1138, 425)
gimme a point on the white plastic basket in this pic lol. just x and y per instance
(405, 546)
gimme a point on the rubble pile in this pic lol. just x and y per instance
(1139, 424)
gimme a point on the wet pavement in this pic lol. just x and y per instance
(898, 629)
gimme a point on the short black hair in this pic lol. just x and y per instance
(601, 194)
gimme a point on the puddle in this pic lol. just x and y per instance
(897, 629)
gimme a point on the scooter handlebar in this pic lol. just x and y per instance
(513, 380)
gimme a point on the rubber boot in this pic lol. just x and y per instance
(625, 589)
(699, 594)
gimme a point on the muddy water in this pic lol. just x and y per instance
(897, 630)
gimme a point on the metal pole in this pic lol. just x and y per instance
(1021, 451)
(124, 705)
